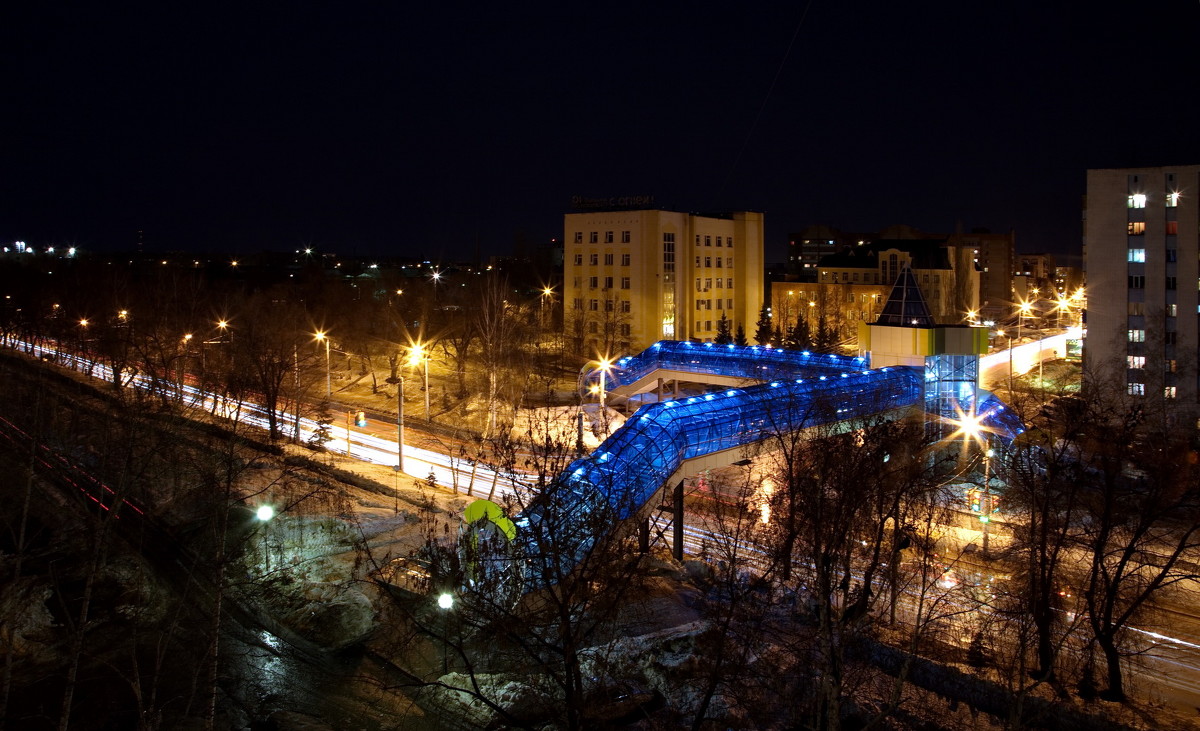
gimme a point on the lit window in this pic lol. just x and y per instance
(1136, 361)
(1172, 200)
(1137, 389)
(1136, 308)
(624, 260)
(1170, 365)
(1172, 310)
(1137, 228)
(1137, 200)
(624, 237)
(1172, 228)
(1137, 255)
(1169, 392)
(1137, 336)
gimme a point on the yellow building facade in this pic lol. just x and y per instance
(632, 277)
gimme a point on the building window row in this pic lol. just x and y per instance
(594, 259)
(707, 240)
(594, 237)
(1138, 200)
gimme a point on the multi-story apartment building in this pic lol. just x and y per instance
(1141, 250)
(632, 277)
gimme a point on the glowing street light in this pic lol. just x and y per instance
(321, 337)
(605, 364)
(1023, 311)
(419, 354)
(445, 602)
(264, 513)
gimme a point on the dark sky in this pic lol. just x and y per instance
(379, 127)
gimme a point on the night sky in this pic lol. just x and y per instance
(384, 128)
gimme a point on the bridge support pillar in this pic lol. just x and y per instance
(644, 535)
(659, 391)
(677, 522)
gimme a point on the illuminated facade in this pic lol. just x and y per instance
(633, 277)
(1141, 249)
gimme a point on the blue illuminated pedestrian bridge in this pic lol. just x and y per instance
(626, 477)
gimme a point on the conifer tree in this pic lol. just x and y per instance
(762, 330)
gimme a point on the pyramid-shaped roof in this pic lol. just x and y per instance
(906, 305)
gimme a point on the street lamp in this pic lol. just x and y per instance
(323, 338)
(445, 602)
(419, 353)
(605, 364)
(547, 294)
(1023, 311)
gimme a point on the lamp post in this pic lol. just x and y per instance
(83, 326)
(605, 364)
(445, 602)
(419, 353)
(1022, 310)
(323, 338)
(400, 423)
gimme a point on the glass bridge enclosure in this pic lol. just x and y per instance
(618, 480)
(752, 362)
(951, 382)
